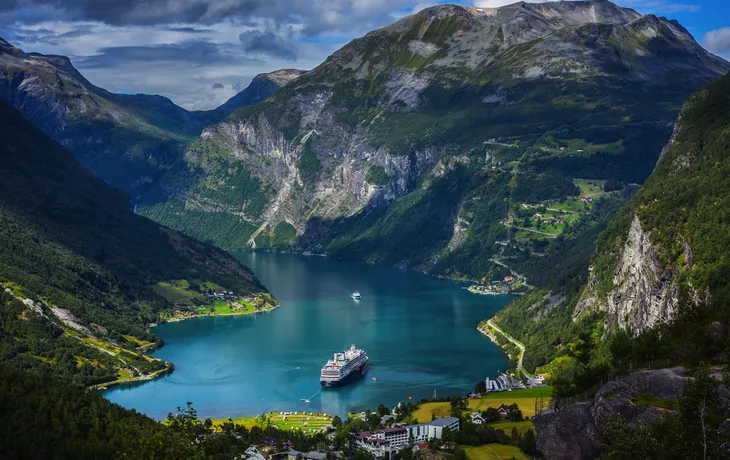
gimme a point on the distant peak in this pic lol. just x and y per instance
(281, 76)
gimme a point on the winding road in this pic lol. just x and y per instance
(518, 344)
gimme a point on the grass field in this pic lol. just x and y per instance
(309, 423)
(494, 452)
(523, 398)
(507, 426)
(590, 187)
(221, 307)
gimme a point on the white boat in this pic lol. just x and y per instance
(356, 295)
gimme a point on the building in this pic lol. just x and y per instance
(388, 441)
(296, 455)
(503, 410)
(252, 453)
(477, 419)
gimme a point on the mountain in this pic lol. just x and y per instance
(656, 288)
(81, 276)
(450, 138)
(128, 140)
(260, 88)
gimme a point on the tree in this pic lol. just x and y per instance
(481, 387)
(491, 414)
(700, 416)
(528, 443)
(336, 421)
(382, 410)
(515, 413)
(515, 436)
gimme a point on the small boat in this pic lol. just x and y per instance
(356, 295)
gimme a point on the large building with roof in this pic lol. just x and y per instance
(388, 441)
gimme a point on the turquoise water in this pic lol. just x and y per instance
(419, 332)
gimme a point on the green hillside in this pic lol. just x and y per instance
(80, 273)
(682, 210)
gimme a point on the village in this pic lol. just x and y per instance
(432, 425)
(225, 303)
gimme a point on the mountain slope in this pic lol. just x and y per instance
(434, 141)
(128, 140)
(81, 276)
(660, 269)
(260, 88)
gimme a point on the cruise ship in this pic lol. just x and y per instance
(344, 368)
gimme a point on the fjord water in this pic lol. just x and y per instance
(419, 332)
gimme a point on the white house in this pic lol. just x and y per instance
(477, 419)
(388, 441)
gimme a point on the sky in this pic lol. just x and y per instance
(199, 53)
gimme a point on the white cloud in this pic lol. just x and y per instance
(718, 41)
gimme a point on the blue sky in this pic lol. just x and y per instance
(201, 52)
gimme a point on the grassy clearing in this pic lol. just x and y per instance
(590, 187)
(178, 293)
(494, 452)
(523, 398)
(309, 422)
(649, 400)
(571, 205)
(507, 426)
(139, 342)
(222, 307)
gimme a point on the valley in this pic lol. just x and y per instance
(520, 212)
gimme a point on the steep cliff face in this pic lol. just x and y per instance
(433, 130)
(668, 260)
(645, 293)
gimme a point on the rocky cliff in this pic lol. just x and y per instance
(665, 265)
(578, 432)
(414, 144)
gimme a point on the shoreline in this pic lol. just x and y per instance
(216, 314)
(487, 327)
(169, 369)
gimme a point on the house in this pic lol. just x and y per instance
(507, 279)
(418, 447)
(503, 410)
(296, 455)
(252, 453)
(477, 419)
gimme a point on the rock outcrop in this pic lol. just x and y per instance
(645, 294)
(577, 432)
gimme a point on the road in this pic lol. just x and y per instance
(518, 344)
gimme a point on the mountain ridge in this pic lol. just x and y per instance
(343, 159)
(128, 140)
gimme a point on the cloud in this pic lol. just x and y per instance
(217, 85)
(315, 16)
(279, 43)
(196, 53)
(717, 41)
